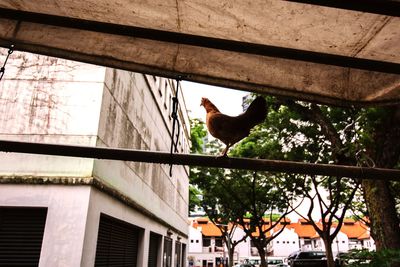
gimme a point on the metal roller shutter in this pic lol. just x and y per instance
(153, 249)
(167, 257)
(117, 243)
(21, 235)
(183, 255)
(178, 254)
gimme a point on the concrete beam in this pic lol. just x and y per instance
(201, 160)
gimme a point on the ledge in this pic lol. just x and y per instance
(88, 181)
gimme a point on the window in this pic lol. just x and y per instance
(167, 255)
(206, 242)
(183, 255)
(218, 242)
(21, 235)
(197, 241)
(154, 245)
(178, 248)
(191, 240)
(117, 243)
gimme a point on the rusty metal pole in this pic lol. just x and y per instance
(200, 160)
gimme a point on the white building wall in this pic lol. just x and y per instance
(339, 244)
(67, 209)
(306, 244)
(369, 244)
(243, 248)
(195, 240)
(103, 203)
(285, 243)
(44, 99)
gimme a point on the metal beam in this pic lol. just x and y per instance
(200, 160)
(381, 7)
(203, 41)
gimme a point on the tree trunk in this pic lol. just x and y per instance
(230, 256)
(379, 199)
(382, 211)
(329, 254)
(263, 262)
(385, 223)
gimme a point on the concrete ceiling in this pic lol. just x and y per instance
(286, 48)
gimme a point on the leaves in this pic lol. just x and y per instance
(299, 131)
(382, 258)
(197, 135)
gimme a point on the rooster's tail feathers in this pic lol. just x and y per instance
(257, 110)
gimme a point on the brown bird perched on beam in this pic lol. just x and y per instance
(231, 130)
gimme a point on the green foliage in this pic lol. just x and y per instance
(366, 258)
(308, 132)
(395, 188)
(193, 197)
(274, 217)
(299, 131)
(197, 134)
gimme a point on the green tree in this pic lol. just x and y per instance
(197, 135)
(207, 182)
(231, 195)
(332, 208)
(366, 137)
(245, 198)
(258, 198)
(300, 131)
(314, 133)
(193, 198)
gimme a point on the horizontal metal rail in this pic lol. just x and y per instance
(200, 160)
(380, 7)
(202, 41)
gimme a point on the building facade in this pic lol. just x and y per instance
(90, 212)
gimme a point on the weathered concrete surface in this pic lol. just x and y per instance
(49, 100)
(276, 23)
(135, 114)
(52, 100)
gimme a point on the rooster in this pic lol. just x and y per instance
(231, 130)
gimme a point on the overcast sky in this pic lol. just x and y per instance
(228, 101)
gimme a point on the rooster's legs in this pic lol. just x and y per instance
(225, 151)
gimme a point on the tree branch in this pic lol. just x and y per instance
(315, 115)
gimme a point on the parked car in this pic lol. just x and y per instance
(271, 261)
(308, 259)
(244, 265)
(291, 257)
(274, 261)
